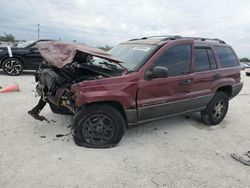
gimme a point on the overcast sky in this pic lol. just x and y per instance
(101, 22)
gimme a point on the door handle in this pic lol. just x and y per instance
(216, 76)
(185, 82)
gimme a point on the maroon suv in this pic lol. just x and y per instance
(138, 81)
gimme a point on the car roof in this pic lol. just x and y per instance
(163, 39)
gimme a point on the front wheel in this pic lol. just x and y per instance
(12, 66)
(98, 126)
(216, 109)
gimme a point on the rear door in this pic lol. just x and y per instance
(165, 96)
(205, 73)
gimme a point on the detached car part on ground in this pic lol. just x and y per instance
(138, 81)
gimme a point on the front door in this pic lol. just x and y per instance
(165, 96)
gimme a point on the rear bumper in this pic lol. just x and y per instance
(236, 88)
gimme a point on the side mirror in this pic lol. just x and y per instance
(156, 72)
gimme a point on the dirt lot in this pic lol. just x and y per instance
(176, 152)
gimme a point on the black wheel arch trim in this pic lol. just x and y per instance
(231, 90)
(116, 104)
(236, 88)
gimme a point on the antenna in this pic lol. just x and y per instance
(38, 31)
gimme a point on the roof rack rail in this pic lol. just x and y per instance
(164, 37)
(174, 37)
(205, 39)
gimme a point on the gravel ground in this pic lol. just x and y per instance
(176, 152)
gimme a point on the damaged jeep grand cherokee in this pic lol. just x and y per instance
(138, 81)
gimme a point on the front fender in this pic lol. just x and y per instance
(124, 93)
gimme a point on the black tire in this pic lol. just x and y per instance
(98, 126)
(60, 110)
(216, 109)
(12, 66)
(247, 73)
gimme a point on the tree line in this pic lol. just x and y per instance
(10, 38)
(245, 59)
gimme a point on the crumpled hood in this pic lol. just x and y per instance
(58, 53)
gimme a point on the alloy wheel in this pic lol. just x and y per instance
(219, 109)
(13, 67)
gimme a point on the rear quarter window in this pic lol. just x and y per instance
(226, 56)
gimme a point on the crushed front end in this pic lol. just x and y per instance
(65, 65)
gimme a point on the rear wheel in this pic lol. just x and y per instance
(98, 126)
(216, 109)
(59, 110)
(12, 66)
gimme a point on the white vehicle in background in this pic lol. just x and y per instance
(246, 66)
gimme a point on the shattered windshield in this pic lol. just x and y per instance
(132, 55)
(104, 63)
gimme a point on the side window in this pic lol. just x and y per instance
(226, 56)
(177, 59)
(204, 59)
(201, 60)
